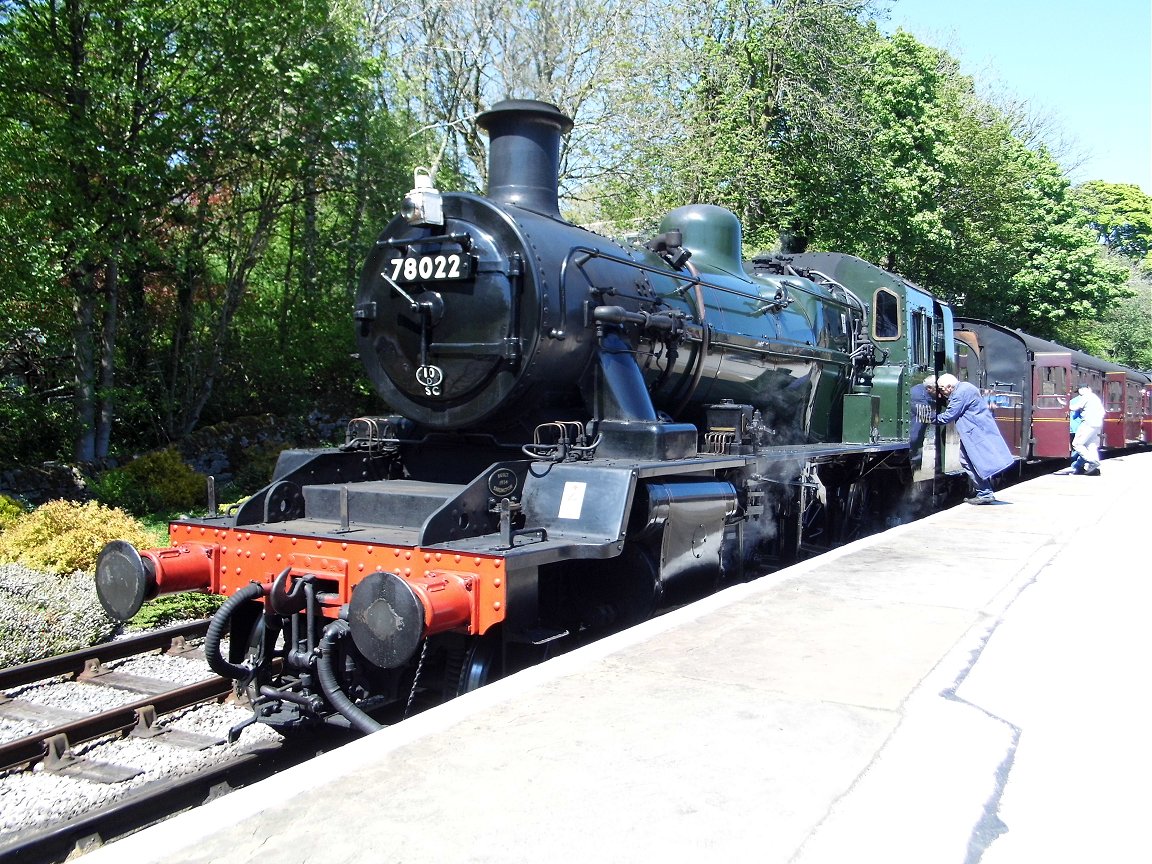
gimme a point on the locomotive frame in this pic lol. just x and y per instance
(585, 433)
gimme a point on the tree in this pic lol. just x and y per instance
(1120, 214)
(448, 61)
(160, 145)
(1121, 331)
(962, 206)
(756, 108)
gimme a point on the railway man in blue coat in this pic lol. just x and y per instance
(983, 453)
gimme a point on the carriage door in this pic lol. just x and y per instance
(1132, 412)
(1146, 414)
(1113, 398)
(1051, 383)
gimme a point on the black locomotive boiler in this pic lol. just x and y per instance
(577, 433)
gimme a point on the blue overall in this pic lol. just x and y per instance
(983, 453)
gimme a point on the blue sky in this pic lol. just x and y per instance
(1087, 66)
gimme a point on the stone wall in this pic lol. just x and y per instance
(39, 484)
(244, 450)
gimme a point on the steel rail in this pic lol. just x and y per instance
(32, 748)
(66, 839)
(71, 663)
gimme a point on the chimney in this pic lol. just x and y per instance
(524, 153)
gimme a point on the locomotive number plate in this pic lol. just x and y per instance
(438, 267)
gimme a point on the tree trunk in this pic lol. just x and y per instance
(84, 311)
(309, 263)
(106, 396)
(235, 290)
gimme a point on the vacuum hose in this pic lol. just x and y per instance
(329, 683)
(218, 626)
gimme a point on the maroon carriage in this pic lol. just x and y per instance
(1029, 382)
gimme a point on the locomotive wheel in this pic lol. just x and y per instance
(841, 514)
(481, 665)
(852, 520)
(453, 666)
(641, 591)
(610, 595)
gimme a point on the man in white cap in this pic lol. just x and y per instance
(983, 453)
(1086, 441)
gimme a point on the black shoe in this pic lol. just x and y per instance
(978, 500)
(1095, 472)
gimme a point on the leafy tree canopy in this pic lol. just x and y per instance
(1120, 214)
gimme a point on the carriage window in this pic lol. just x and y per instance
(1055, 381)
(1005, 399)
(886, 309)
(1114, 401)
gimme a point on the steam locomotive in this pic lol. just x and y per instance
(583, 432)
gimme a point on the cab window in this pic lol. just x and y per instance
(886, 315)
(921, 338)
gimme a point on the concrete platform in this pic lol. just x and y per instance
(967, 688)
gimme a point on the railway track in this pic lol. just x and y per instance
(99, 743)
(51, 745)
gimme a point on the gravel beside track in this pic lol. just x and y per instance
(33, 800)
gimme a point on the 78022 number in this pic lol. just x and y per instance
(430, 268)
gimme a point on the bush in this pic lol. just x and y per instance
(157, 482)
(174, 608)
(62, 536)
(10, 511)
(46, 613)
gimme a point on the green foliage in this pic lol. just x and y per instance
(1126, 329)
(1120, 214)
(964, 207)
(47, 613)
(174, 608)
(10, 511)
(36, 420)
(247, 449)
(62, 536)
(157, 532)
(188, 190)
(36, 427)
(157, 482)
(213, 174)
(809, 124)
(760, 124)
(1121, 332)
